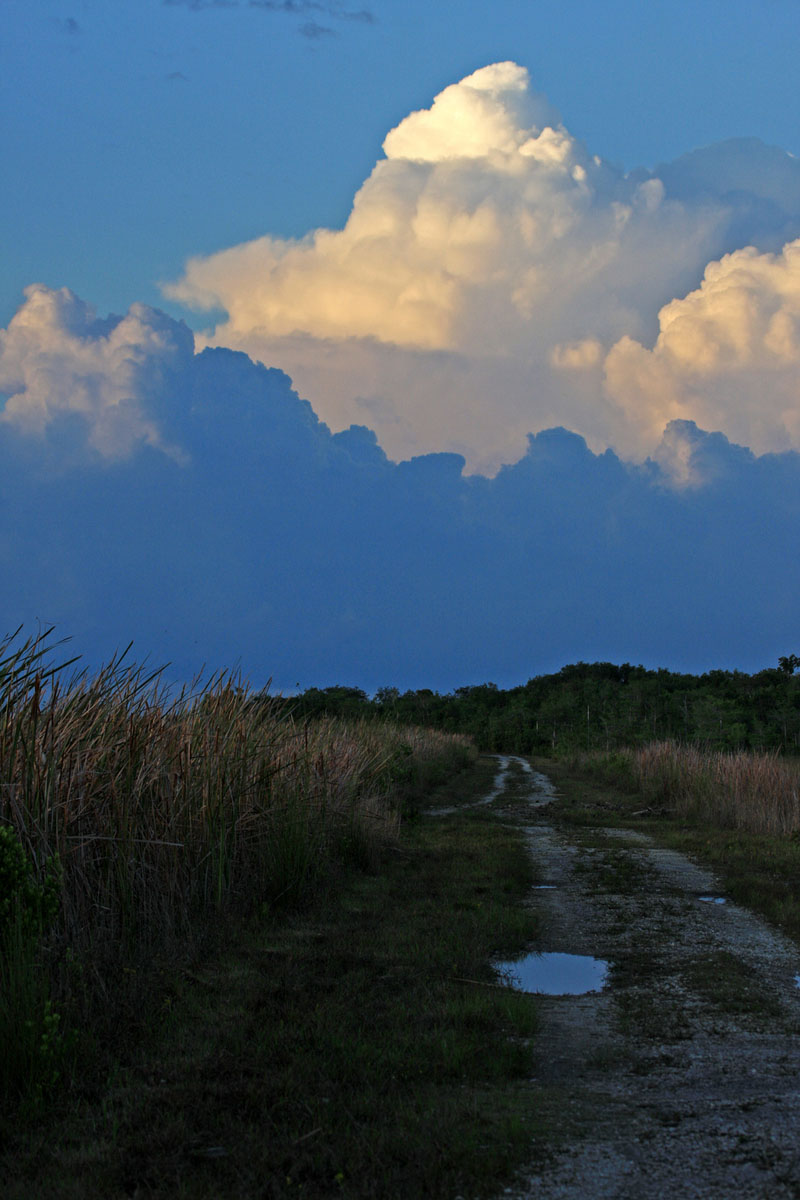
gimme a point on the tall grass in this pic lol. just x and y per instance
(164, 811)
(756, 793)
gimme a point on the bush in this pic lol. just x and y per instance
(30, 1036)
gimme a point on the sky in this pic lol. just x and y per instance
(397, 343)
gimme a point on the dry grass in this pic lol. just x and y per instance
(165, 811)
(759, 793)
(755, 793)
(336, 1052)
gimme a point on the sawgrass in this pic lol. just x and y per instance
(167, 813)
(358, 1046)
(755, 792)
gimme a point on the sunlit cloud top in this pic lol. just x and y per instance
(484, 198)
(60, 363)
(727, 354)
(494, 278)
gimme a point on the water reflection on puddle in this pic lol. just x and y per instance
(555, 974)
(712, 899)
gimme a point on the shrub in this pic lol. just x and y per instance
(30, 1036)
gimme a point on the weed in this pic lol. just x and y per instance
(166, 815)
(355, 1047)
(730, 985)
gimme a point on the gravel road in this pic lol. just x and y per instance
(681, 1078)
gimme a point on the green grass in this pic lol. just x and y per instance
(358, 1048)
(461, 791)
(760, 871)
(730, 986)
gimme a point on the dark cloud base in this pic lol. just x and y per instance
(310, 558)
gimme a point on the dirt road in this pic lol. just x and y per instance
(681, 1078)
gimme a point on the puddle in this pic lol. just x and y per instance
(545, 887)
(553, 974)
(712, 899)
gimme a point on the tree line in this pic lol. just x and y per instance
(594, 706)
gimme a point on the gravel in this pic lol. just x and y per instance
(681, 1078)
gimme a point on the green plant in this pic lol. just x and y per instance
(32, 1043)
(24, 898)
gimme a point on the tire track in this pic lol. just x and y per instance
(682, 1077)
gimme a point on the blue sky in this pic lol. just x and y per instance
(137, 133)
(446, 230)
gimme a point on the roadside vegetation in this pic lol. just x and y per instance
(237, 960)
(133, 825)
(708, 764)
(737, 813)
(757, 793)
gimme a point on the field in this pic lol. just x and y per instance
(134, 825)
(237, 956)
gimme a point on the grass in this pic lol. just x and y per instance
(730, 986)
(358, 1047)
(757, 793)
(163, 815)
(615, 870)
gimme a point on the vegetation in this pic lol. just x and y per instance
(355, 1046)
(237, 958)
(737, 814)
(759, 793)
(132, 825)
(598, 706)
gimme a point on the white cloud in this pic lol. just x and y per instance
(489, 115)
(727, 355)
(57, 360)
(493, 279)
(484, 244)
(484, 220)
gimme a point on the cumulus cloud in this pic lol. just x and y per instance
(488, 264)
(483, 201)
(308, 556)
(59, 364)
(727, 355)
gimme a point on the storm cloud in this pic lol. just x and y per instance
(495, 277)
(221, 521)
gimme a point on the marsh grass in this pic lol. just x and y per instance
(166, 812)
(356, 1047)
(756, 793)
